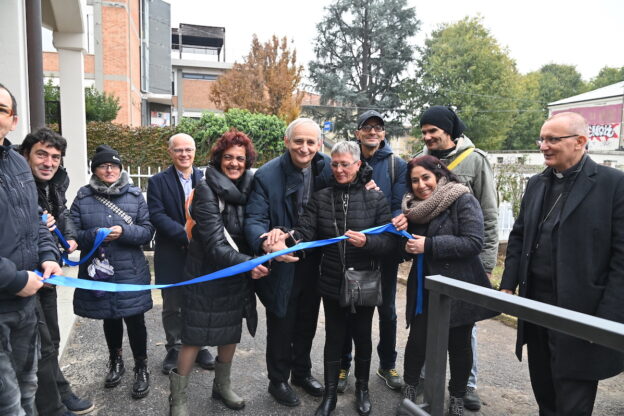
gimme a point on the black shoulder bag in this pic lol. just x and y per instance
(359, 287)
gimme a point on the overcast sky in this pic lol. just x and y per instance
(536, 32)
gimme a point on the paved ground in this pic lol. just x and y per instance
(503, 384)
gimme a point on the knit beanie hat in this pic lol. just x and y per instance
(444, 118)
(105, 154)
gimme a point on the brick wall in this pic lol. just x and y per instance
(195, 94)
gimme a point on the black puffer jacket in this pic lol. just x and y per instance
(214, 310)
(25, 241)
(355, 209)
(54, 201)
(453, 242)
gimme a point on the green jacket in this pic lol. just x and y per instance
(475, 172)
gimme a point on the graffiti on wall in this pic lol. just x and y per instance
(605, 125)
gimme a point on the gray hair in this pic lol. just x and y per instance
(577, 124)
(175, 136)
(302, 120)
(347, 147)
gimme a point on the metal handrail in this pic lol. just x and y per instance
(442, 289)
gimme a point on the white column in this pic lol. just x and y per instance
(13, 69)
(70, 48)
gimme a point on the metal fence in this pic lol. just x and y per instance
(442, 289)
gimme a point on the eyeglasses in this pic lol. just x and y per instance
(6, 111)
(185, 150)
(109, 166)
(368, 128)
(553, 140)
(343, 165)
(229, 158)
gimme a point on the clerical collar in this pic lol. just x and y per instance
(569, 171)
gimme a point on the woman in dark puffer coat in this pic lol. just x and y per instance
(214, 310)
(447, 225)
(125, 263)
(354, 208)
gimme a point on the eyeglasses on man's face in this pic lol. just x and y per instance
(6, 111)
(108, 166)
(553, 140)
(344, 165)
(229, 158)
(179, 151)
(368, 127)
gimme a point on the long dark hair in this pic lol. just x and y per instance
(432, 164)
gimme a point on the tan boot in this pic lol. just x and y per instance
(221, 388)
(177, 396)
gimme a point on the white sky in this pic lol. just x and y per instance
(536, 32)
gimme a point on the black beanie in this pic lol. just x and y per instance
(444, 118)
(105, 154)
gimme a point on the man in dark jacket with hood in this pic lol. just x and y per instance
(280, 192)
(25, 245)
(44, 150)
(389, 172)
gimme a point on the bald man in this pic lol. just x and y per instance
(566, 249)
(166, 193)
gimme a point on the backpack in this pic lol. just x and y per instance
(393, 169)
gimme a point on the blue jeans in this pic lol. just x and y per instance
(19, 352)
(386, 349)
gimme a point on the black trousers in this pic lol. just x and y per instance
(137, 334)
(459, 350)
(289, 339)
(555, 396)
(53, 387)
(338, 320)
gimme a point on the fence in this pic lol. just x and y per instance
(442, 289)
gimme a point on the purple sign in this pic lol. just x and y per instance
(605, 125)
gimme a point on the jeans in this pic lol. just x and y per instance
(137, 334)
(19, 352)
(386, 349)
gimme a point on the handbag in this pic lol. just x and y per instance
(359, 287)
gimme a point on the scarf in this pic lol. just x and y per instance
(109, 189)
(423, 211)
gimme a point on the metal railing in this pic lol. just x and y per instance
(442, 289)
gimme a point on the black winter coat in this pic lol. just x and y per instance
(25, 241)
(454, 241)
(589, 263)
(214, 310)
(355, 209)
(125, 253)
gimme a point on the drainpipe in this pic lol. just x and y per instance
(35, 64)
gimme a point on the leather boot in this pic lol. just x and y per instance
(362, 399)
(141, 385)
(332, 370)
(221, 387)
(116, 369)
(177, 396)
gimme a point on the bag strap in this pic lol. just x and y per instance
(460, 158)
(120, 212)
(341, 247)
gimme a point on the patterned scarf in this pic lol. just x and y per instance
(422, 211)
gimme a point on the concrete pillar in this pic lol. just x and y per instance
(71, 47)
(13, 65)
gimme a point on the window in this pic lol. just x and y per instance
(206, 77)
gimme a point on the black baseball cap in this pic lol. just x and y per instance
(363, 118)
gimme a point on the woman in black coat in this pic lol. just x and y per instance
(120, 260)
(214, 310)
(447, 225)
(339, 209)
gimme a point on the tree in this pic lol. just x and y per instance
(99, 106)
(530, 114)
(463, 65)
(362, 52)
(607, 76)
(558, 82)
(267, 81)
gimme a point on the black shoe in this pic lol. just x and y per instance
(362, 399)
(170, 362)
(116, 369)
(141, 385)
(284, 394)
(311, 385)
(328, 405)
(472, 401)
(205, 360)
(76, 405)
